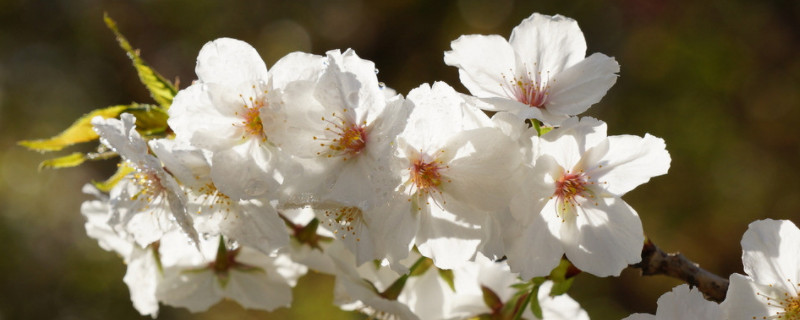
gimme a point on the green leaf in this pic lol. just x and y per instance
(160, 88)
(72, 160)
(561, 277)
(541, 130)
(536, 309)
(123, 170)
(393, 291)
(447, 276)
(491, 299)
(561, 287)
(420, 266)
(80, 131)
(151, 120)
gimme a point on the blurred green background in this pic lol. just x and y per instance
(718, 80)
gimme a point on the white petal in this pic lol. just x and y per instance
(561, 307)
(255, 225)
(682, 303)
(628, 162)
(582, 85)
(187, 164)
(568, 143)
(230, 62)
(482, 62)
(771, 253)
(296, 66)
(253, 289)
(194, 290)
(439, 113)
(142, 277)
(245, 172)
(605, 237)
(97, 214)
(747, 299)
(394, 227)
(553, 43)
(532, 250)
(448, 243)
(481, 177)
(204, 122)
(121, 136)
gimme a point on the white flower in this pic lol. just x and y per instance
(457, 169)
(250, 222)
(148, 202)
(682, 304)
(570, 200)
(142, 275)
(345, 127)
(771, 258)
(540, 72)
(233, 109)
(196, 281)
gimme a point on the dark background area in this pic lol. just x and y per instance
(718, 80)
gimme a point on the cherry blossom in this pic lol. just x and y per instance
(148, 202)
(197, 280)
(232, 111)
(771, 258)
(570, 200)
(456, 168)
(541, 72)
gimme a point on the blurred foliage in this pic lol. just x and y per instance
(718, 80)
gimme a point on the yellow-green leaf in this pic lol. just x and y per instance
(79, 131)
(68, 161)
(151, 120)
(160, 88)
(123, 170)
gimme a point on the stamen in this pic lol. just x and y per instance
(346, 220)
(531, 88)
(349, 138)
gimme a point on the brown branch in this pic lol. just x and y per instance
(655, 261)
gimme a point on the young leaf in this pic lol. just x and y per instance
(123, 170)
(447, 276)
(160, 88)
(67, 161)
(80, 131)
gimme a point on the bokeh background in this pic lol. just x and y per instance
(718, 80)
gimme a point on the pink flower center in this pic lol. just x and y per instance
(569, 187)
(349, 138)
(530, 89)
(426, 175)
(250, 116)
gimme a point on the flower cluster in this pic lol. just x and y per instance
(420, 204)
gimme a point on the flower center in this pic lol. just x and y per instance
(570, 186)
(426, 175)
(210, 197)
(151, 185)
(530, 89)
(346, 220)
(790, 304)
(250, 117)
(347, 138)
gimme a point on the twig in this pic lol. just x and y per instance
(655, 261)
